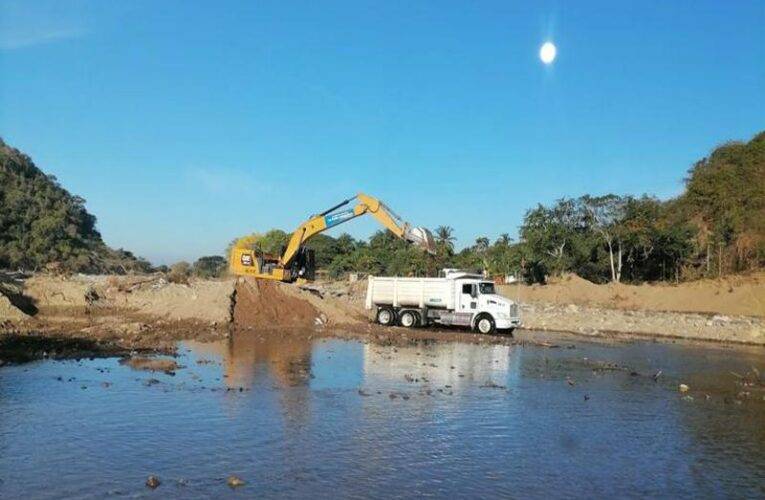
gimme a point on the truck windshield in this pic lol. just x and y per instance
(486, 288)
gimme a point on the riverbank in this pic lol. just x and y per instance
(84, 316)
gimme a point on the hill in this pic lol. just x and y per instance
(42, 225)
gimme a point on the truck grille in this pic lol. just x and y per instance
(513, 310)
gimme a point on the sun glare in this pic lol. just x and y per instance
(548, 52)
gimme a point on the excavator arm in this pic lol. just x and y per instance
(287, 270)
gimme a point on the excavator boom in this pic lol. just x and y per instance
(296, 262)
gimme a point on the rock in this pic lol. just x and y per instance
(572, 308)
(683, 388)
(235, 481)
(153, 482)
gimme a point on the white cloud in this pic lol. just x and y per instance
(26, 24)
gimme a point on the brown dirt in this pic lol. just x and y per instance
(150, 364)
(266, 304)
(735, 295)
(8, 311)
(109, 314)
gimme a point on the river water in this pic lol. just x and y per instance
(337, 418)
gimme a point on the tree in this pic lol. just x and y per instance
(607, 214)
(445, 237)
(211, 266)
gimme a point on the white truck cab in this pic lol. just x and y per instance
(456, 298)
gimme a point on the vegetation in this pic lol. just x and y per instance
(179, 273)
(210, 266)
(43, 226)
(717, 226)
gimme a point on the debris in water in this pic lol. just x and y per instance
(364, 393)
(235, 481)
(492, 385)
(683, 388)
(167, 366)
(153, 482)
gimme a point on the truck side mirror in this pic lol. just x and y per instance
(473, 291)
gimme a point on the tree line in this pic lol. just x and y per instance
(715, 227)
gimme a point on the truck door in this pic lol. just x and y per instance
(468, 297)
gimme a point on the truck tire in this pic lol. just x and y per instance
(408, 319)
(386, 316)
(485, 324)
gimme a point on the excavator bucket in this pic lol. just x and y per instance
(422, 237)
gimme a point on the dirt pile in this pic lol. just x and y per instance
(8, 311)
(207, 301)
(735, 295)
(264, 304)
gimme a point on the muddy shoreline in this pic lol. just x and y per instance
(86, 316)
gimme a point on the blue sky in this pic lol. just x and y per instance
(184, 124)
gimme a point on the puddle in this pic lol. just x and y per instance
(334, 418)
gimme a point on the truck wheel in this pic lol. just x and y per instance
(408, 319)
(386, 316)
(485, 324)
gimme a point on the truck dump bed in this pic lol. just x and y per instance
(410, 292)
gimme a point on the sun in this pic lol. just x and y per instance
(548, 52)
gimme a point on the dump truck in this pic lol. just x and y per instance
(457, 298)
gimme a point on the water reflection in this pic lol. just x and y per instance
(334, 418)
(286, 359)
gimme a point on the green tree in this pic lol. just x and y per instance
(210, 266)
(445, 237)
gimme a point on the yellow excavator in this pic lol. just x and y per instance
(297, 262)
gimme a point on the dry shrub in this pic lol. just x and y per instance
(179, 273)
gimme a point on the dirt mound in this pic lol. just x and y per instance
(10, 312)
(735, 295)
(338, 307)
(202, 300)
(264, 304)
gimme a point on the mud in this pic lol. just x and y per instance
(262, 304)
(147, 313)
(22, 348)
(151, 364)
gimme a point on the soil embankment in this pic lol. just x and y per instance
(108, 315)
(733, 295)
(728, 310)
